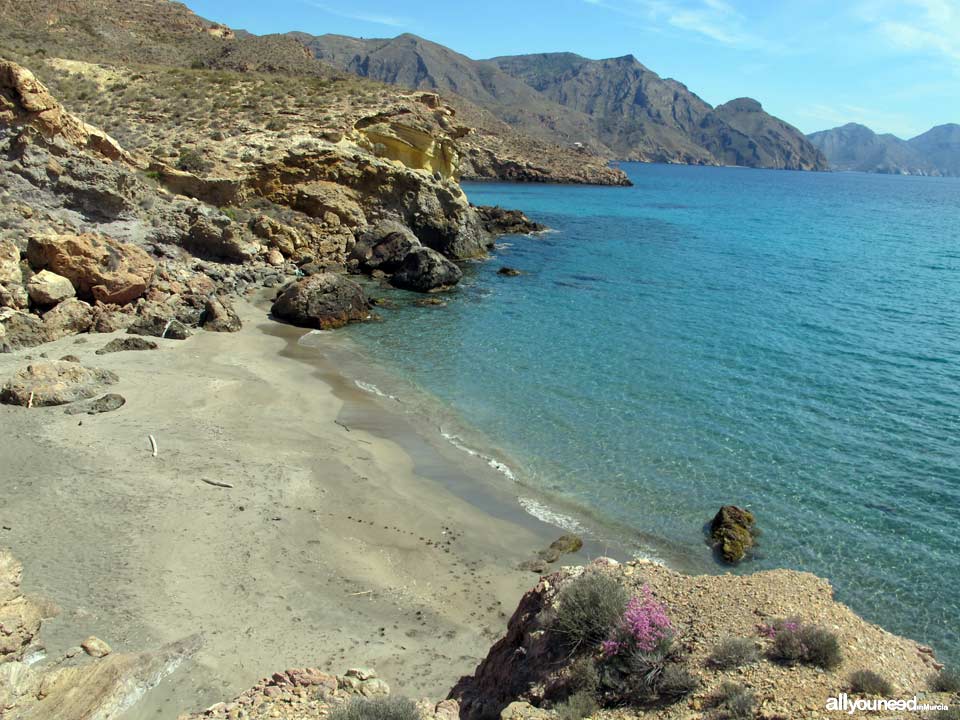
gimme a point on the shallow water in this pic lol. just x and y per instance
(785, 341)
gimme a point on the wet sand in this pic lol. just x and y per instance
(350, 536)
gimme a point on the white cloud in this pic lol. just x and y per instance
(715, 20)
(374, 18)
(926, 27)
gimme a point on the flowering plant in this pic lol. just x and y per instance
(644, 627)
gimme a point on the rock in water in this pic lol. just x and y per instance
(425, 270)
(124, 344)
(47, 288)
(732, 532)
(509, 272)
(384, 246)
(53, 382)
(323, 301)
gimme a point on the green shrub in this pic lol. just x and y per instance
(733, 653)
(731, 702)
(795, 642)
(588, 609)
(386, 708)
(276, 124)
(947, 680)
(578, 706)
(867, 682)
(583, 676)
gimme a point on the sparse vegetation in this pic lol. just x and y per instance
(578, 706)
(386, 708)
(867, 682)
(733, 653)
(947, 680)
(795, 642)
(192, 160)
(731, 702)
(589, 608)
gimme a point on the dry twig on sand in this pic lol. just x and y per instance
(153, 444)
(216, 483)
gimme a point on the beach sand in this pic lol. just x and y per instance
(334, 548)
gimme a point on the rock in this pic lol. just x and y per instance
(509, 272)
(110, 318)
(323, 301)
(70, 358)
(430, 302)
(275, 258)
(361, 673)
(426, 270)
(732, 533)
(70, 317)
(128, 343)
(54, 382)
(99, 268)
(218, 239)
(20, 618)
(159, 325)
(498, 221)
(524, 711)
(384, 247)
(105, 404)
(95, 647)
(47, 288)
(219, 316)
(10, 272)
(21, 330)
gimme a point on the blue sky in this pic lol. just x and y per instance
(891, 64)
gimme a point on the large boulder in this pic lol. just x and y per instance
(384, 246)
(426, 270)
(323, 301)
(218, 238)
(47, 288)
(732, 532)
(54, 382)
(12, 292)
(70, 317)
(100, 268)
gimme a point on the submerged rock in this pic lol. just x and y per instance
(53, 382)
(323, 301)
(732, 532)
(509, 272)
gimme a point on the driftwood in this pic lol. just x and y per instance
(216, 483)
(153, 444)
(30, 401)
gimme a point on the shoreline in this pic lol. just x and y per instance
(333, 547)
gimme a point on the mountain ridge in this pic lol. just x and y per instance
(856, 147)
(616, 106)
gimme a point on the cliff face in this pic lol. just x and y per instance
(857, 147)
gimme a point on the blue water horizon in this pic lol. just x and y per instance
(785, 341)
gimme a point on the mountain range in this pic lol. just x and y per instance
(616, 106)
(857, 147)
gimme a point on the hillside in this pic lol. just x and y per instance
(149, 34)
(615, 105)
(857, 147)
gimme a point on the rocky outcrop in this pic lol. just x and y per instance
(26, 103)
(500, 221)
(731, 533)
(54, 382)
(393, 249)
(323, 301)
(20, 617)
(100, 268)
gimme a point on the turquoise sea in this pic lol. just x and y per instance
(781, 340)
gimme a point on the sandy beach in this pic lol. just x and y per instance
(334, 548)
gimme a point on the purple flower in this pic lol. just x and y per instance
(644, 624)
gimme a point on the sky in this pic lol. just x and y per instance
(893, 65)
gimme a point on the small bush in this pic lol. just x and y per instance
(947, 680)
(731, 702)
(583, 676)
(387, 708)
(578, 706)
(867, 682)
(588, 610)
(277, 124)
(795, 642)
(951, 713)
(192, 161)
(733, 653)
(677, 682)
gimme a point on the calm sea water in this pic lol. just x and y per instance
(785, 341)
